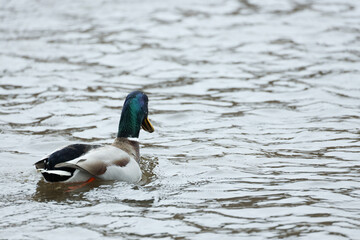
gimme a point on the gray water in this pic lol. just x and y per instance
(255, 104)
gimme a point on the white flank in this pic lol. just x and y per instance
(108, 155)
(79, 176)
(130, 173)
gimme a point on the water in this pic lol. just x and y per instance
(255, 106)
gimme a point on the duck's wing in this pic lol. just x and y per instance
(97, 162)
(68, 153)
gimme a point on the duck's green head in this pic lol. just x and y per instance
(134, 115)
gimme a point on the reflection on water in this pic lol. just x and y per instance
(255, 105)
(59, 192)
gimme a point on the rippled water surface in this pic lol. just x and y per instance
(255, 106)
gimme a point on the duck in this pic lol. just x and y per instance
(116, 161)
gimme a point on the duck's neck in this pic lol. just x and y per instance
(129, 125)
(129, 146)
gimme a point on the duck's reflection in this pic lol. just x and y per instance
(63, 191)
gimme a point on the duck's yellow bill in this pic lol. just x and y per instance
(147, 126)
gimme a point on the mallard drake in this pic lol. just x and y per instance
(118, 161)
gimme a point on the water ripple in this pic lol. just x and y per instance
(255, 106)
